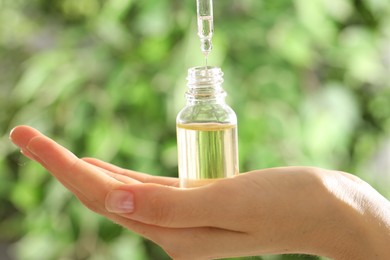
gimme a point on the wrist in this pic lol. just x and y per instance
(358, 225)
(372, 220)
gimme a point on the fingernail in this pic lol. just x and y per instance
(120, 201)
(10, 133)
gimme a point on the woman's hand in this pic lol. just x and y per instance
(272, 211)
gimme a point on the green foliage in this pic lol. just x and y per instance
(309, 81)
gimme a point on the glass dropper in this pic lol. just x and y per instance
(205, 25)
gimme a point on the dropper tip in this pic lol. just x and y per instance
(206, 46)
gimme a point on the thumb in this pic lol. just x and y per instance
(168, 206)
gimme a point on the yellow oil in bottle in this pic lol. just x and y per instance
(206, 152)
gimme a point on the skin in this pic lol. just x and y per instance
(273, 211)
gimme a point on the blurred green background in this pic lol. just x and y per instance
(308, 79)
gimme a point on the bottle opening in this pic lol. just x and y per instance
(205, 83)
(204, 76)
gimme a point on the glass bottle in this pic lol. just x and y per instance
(206, 130)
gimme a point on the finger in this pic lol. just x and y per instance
(152, 233)
(85, 181)
(76, 174)
(72, 172)
(122, 178)
(21, 135)
(213, 205)
(142, 177)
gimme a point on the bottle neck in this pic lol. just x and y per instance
(205, 85)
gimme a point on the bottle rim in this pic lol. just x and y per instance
(204, 76)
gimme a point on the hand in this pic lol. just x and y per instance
(280, 210)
